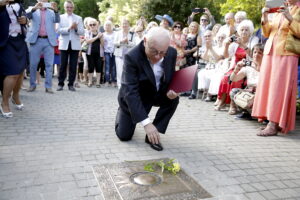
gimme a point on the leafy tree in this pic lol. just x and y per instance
(179, 10)
(83, 8)
(28, 3)
(120, 8)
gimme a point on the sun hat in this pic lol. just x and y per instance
(166, 17)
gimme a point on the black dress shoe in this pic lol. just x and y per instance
(49, 90)
(31, 89)
(71, 88)
(185, 94)
(60, 88)
(192, 96)
(157, 147)
(244, 115)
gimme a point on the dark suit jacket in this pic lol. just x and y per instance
(4, 26)
(138, 82)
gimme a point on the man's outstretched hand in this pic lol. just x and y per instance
(152, 133)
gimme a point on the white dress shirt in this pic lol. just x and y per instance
(158, 73)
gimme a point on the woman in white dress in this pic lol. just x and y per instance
(123, 41)
(212, 55)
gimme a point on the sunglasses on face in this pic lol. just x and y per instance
(177, 27)
(92, 24)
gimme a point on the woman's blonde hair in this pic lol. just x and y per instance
(196, 24)
(86, 22)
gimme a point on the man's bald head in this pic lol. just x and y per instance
(157, 42)
(158, 36)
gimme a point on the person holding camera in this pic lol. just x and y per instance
(207, 21)
(13, 53)
(236, 48)
(275, 98)
(250, 70)
(42, 40)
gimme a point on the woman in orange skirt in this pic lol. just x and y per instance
(275, 98)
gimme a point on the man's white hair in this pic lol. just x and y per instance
(241, 14)
(108, 22)
(158, 34)
(70, 2)
(230, 14)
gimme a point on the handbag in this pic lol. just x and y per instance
(84, 46)
(244, 99)
(292, 42)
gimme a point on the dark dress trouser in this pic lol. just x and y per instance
(124, 126)
(68, 56)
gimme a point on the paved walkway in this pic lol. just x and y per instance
(47, 151)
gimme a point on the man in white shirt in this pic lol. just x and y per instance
(228, 28)
(70, 28)
(147, 73)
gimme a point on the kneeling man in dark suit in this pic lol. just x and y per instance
(147, 73)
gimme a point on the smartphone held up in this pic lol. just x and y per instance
(47, 5)
(198, 10)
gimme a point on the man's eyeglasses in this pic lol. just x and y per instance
(155, 52)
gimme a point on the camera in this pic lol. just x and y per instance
(47, 5)
(233, 38)
(247, 62)
(198, 10)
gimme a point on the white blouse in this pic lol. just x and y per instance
(14, 26)
(251, 74)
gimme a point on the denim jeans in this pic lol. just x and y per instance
(110, 67)
(42, 46)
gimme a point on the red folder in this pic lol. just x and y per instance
(182, 80)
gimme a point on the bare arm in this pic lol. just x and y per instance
(91, 40)
(237, 74)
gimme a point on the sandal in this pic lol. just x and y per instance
(6, 114)
(232, 111)
(268, 131)
(89, 84)
(18, 106)
(217, 102)
(220, 107)
(98, 85)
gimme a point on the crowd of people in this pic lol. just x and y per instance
(233, 59)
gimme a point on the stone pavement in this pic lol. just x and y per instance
(47, 150)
